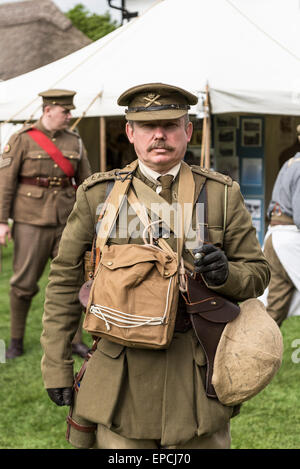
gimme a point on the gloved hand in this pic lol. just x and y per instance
(213, 264)
(61, 396)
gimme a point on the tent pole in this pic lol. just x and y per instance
(102, 144)
(84, 112)
(207, 143)
(203, 142)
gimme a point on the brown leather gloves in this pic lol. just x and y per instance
(61, 396)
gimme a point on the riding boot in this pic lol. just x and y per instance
(15, 349)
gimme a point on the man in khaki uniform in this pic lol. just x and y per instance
(37, 194)
(140, 398)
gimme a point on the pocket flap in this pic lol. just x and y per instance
(214, 309)
(111, 349)
(30, 191)
(126, 255)
(71, 155)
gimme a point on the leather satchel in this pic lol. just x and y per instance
(209, 313)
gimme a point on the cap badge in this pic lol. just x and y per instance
(152, 99)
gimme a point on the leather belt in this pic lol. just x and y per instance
(280, 218)
(46, 182)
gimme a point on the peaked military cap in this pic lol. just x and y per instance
(155, 101)
(62, 98)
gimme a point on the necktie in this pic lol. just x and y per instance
(166, 183)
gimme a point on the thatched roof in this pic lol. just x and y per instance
(34, 33)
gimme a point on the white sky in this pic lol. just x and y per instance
(95, 6)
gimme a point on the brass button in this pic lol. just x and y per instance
(54, 192)
(39, 156)
(54, 139)
(29, 194)
(213, 302)
(167, 273)
(109, 263)
(71, 156)
(56, 165)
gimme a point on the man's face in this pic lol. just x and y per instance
(160, 144)
(57, 117)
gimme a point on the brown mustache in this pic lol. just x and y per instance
(160, 144)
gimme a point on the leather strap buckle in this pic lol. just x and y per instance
(54, 182)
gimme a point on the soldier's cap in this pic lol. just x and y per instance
(156, 101)
(62, 98)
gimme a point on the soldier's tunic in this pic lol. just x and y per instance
(151, 394)
(284, 214)
(39, 213)
(23, 157)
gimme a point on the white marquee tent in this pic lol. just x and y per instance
(247, 51)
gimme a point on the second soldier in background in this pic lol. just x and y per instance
(40, 168)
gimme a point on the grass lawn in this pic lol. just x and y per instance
(28, 419)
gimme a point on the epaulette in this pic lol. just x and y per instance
(96, 178)
(73, 132)
(222, 178)
(24, 128)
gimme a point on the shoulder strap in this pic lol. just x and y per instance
(45, 143)
(149, 199)
(202, 198)
(114, 203)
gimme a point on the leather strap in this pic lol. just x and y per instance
(46, 144)
(152, 201)
(79, 427)
(115, 201)
(281, 219)
(46, 182)
(209, 312)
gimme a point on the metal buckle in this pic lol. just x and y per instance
(53, 182)
(127, 175)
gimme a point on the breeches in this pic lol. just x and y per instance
(33, 246)
(281, 288)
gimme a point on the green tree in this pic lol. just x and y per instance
(92, 25)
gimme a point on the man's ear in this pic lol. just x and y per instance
(129, 132)
(189, 131)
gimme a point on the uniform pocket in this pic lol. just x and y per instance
(71, 155)
(110, 349)
(101, 384)
(211, 415)
(30, 191)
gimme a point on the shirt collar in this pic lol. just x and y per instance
(50, 133)
(153, 175)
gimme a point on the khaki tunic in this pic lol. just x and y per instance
(281, 287)
(23, 157)
(146, 394)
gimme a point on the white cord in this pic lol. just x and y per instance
(109, 315)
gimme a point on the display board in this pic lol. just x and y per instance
(239, 153)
